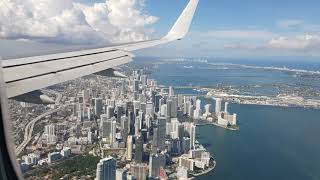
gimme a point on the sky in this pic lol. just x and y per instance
(228, 28)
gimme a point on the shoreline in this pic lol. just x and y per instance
(218, 125)
(206, 170)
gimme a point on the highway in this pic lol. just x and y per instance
(29, 129)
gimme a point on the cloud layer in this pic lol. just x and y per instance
(71, 22)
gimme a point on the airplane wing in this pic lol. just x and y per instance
(28, 74)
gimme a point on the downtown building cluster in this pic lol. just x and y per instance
(149, 127)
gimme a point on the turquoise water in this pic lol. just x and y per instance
(273, 143)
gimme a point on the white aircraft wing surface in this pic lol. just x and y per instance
(24, 75)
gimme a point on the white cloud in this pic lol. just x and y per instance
(68, 21)
(290, 23)
(240, 46)
(240, 34)
(303, 42)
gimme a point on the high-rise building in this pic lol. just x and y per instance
(86, 95)
(144, 80)
(105, 126)
(169, 106)
(124, 127)
(98, 106)
(163, 110)
(155, 139)
(161, 123)
(106, 169)
(131, 122)
(218, 105)
(156, 162)
(49, 131)
(113, 133)
(149, 109)
(110, 111)
(226, 107)
(135, 86)
(129, 147)
(174, 106)
(138, 154)
(192, 136)
(198, 104)
(207, 109)
(139, 171)
(171, 91)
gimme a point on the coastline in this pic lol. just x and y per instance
(205, 171)
(216, 124)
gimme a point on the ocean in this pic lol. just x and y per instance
(273, 142)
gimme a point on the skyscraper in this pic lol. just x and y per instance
(139, 171)
(161, 123)
(192, 136)
(113, 133)
(138, 154)
(105, 126)
(163, 110)
(124, 127)
(207, 109)
(226, 107)
(110, 111)
(135, 86)
(156, 162)
(106, 169)
(129, 147)
(98, 106)
(218, 105)
(171, 91)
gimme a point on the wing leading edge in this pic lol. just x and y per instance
(28, 74)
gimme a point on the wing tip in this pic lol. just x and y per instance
(182, 25)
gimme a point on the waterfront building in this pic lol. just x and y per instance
(186, 162)
(207, 110)
(226, 107)
(182, 173)
(171, 91)
(192, 136)
(106, 169)
(218, 105)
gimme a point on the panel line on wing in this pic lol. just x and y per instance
(55, 59)
(68, 69)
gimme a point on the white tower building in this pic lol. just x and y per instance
(218, 105)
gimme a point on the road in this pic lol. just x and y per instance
(29, 128)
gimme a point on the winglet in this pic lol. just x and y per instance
(182, 25)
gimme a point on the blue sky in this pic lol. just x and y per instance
(228, 28)
(247, 26)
